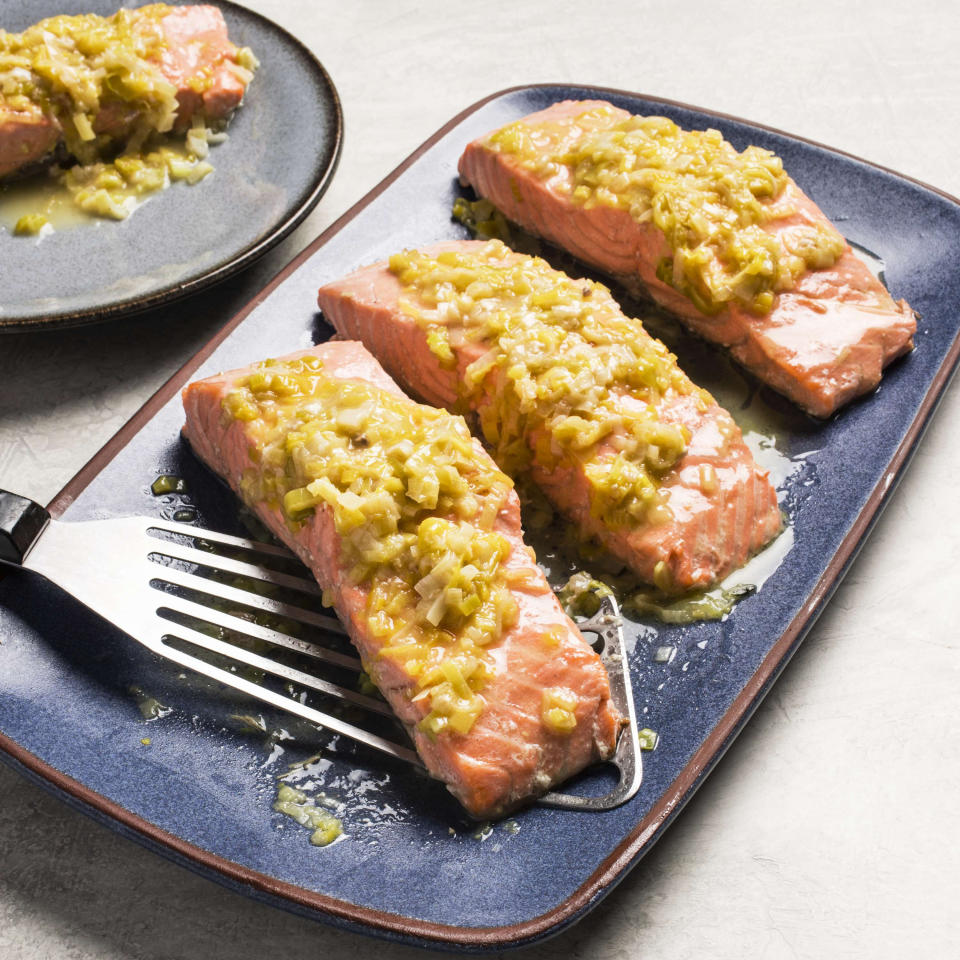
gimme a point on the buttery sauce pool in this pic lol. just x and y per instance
(46, 195)
(41, 195)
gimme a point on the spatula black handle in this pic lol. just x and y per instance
(21, 521)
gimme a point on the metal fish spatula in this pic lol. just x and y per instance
(238, 612)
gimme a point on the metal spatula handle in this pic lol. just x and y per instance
(21, 522)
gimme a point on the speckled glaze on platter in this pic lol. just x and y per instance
(282, 151)
(412, 868)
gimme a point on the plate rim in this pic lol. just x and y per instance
(234, 264)
(636, 843)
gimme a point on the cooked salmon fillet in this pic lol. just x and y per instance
(824, 342)
(720, 506)
(27, 136)
(510, 754)
(196, 59)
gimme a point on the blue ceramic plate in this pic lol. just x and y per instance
(185, 238)
(73, 693)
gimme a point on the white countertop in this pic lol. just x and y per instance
(828, 831)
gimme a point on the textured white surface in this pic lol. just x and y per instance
(829, 830)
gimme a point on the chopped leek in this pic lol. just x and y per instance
(78, 70)
(30, 224)
(298, 806)
(167, 483)
(648, 739)
(558, 710)
(415, 510)
(564, 378)
(711, 203)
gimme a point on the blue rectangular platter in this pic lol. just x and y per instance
(412, 867)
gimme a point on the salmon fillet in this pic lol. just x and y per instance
(825, 341)
(197, 60)
(510, 754)
(720, 507)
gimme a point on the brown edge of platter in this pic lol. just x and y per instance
(639, 839)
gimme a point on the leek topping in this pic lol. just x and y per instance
(112, 189)
(30, 224)
(711, 202)
(414, 508)
(293, 803)
(74, 69)
(648, 738)
(565, 376)
(167, 483)
(558, 710)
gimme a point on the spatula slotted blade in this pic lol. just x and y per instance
(236, 611)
